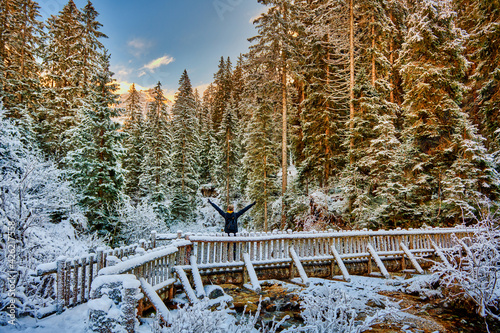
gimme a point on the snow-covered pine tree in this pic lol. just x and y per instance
(237, 105)
(184, 180)
(374, 110)
(133, 143)
(157, 151)
(480, 19)
(445, 152)
(323, 64)
(271, 50)
(94, 158)
(62, 90)
(262, 164)
(91, 47)
(70, 60)
(20, 44)
(220, 112)
(207, 156)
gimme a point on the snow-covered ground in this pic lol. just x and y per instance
(357, 293)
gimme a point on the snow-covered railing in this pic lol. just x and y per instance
(74, 276)
(156, 265)
(220, 249)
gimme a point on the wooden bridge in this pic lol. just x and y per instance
(191, 260)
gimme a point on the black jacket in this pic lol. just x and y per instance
(231, 219)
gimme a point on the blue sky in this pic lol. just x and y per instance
(155, 40)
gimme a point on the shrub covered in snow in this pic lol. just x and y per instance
(34, 199)
(473, 271)
(199, 317)
(329, 310)
(138, 220)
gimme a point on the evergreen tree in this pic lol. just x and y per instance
(207, 158)
(269, 61)
(156, 164)
(445, 153)
(480, 19)
(323, 65)
(91, 47)
(20, 44)
(185, 152)
(133, 143)
(63, 92)
(261, 164)
(96, 148)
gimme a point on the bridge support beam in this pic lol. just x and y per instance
(186, 285)
(343, 269)
(298, 264)
(412, 258)
(255, 284)
(158, 304)
(198, 283)
(440, 253)
(379, 263)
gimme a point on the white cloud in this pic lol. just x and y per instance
(139, 46)
(201, 88)
(258, 15)
(165, 60)
(125, 86)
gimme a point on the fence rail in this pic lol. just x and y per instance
(155, 264)
(214, 249)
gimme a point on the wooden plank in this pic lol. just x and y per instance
(251, 273)
(342, 267)
(198, 284)
(412, 258)
(379, 263)
(298, 264)
(440, 253)
(186, 285)
(158, 304)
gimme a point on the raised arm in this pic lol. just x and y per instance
(217, 208)
(241, 212)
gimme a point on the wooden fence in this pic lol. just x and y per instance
(155, 264)
(217, 250)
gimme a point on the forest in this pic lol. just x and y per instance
(342, 114)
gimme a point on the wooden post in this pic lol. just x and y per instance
(61, 265)
(129, 308)
(67, 282)
(83, 299)
(300, 268)
(75, 282)
(91, 273)
(379, 263)
(251, 273)
(198, 284)
(412, 258)
(440, 254)
(153, 239)
(100, 259)
(342, 267)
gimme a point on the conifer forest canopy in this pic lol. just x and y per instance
(340, 114)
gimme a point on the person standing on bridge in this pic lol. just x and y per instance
(231, 217)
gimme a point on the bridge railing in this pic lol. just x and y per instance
(212, 250)
(74, 276)
(155, 264)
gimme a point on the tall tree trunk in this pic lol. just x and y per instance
(351, 80)
(327, 132)
(374, 70)
(284, 163)
(227, 167)
(391, 60)
(265, 193)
